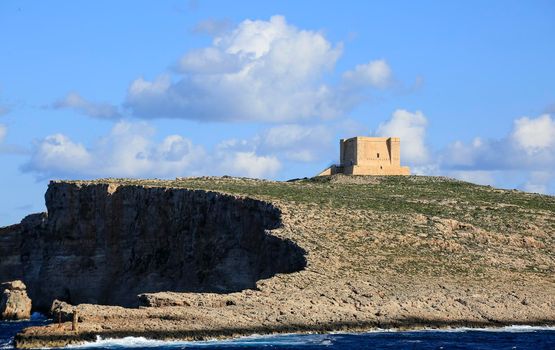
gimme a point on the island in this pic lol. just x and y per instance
(211, 257)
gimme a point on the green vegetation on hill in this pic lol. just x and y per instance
(433, 196)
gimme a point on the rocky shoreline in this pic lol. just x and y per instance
(254, 314)
(379, 253)
(54, 340)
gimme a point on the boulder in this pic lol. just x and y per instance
(61, 311)
(14, 302)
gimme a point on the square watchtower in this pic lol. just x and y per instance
(362, 155)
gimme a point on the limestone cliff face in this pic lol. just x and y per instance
(100, 243)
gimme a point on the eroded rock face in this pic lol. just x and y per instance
(14, 302)
(105, 244)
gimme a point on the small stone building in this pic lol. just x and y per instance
(362, 155)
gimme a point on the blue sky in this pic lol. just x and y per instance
(162, 89)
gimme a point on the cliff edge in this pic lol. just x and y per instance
(210, 257)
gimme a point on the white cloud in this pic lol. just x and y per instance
(297, 142)
(260, 70)
(375, 73)
(129, 150)
(57, 153)
(96, 110)
(132, 152)
(527, 151)
(248, 164)
(526, 156)
(411, 128)
(462, 154)
(529, 146)
(209, 61)
(534, 135)
(539, 181)
(287, 142)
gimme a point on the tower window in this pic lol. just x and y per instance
(378, 155)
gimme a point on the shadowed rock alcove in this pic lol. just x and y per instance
(105, 244)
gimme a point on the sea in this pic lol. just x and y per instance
(513, 337)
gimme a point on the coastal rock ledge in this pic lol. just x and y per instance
(209, 257)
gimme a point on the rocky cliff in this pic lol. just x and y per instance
(104, 244)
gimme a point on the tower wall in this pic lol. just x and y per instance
(349, 151)
(369, 156)
(395, 147)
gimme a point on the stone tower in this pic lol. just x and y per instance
(369, 156)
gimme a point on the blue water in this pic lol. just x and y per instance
(9, 329)
(536, 338)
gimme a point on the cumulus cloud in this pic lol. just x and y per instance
(527, 151)
(375, 73)
(411, 128)
(287, 142)
(259, 70)
(529, 146)
(297, 142)
(262, 70)
(129, 150)
(59, 154)
(534, 135)
(96, 110)
(248, 164)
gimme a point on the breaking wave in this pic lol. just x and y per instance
(307, 340)
(521, 337)
(250, 341)
(510, 329)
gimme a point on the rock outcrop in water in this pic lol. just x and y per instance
(14, 302)
(105, 244)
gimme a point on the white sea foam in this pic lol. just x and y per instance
(510, 329)
(280, 339)
(139, 342)
(6, 345)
